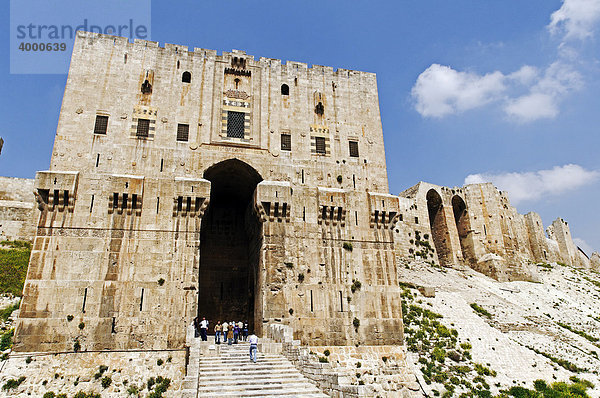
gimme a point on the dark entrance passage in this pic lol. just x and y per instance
(463, 225)
(230, 242)
(439, 228)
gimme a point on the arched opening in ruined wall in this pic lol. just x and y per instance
(463, 225)
(230, 246)
(439, 228)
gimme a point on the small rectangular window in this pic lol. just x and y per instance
(143, 128)
(286, 142)
(101, 125)
(353, 146)
(235, 124)
(320, 145)
(183, 132)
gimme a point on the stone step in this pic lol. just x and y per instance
(249, 372)
(261, 389)
(266, 394)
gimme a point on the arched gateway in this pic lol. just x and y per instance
(230, 242)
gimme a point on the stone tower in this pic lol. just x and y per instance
(185, 182)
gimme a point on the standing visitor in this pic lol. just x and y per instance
(245, 331)
(203, 328)
(230, 335)
(218, 330)
(236, 332)
(253, 347)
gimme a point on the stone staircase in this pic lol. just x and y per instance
(226, 371)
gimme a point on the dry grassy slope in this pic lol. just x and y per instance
(524, 314)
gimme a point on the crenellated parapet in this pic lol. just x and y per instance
(332, 206)
(192, 196)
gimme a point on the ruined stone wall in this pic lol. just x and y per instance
(476, 225)
(16, 209)
(119, 213)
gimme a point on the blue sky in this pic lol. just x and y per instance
(469, 90)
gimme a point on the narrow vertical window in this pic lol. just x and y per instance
(286, 142)
(114, 323)
(302, 176)
(354, 180)
(92, 204)
(353, 147)
(356, 217)
(416, 220)
(101, 125)
(143, 128)
(183, 132)
(157, 204)
(303, 213)
(84, 300)
(311, 301)
(97, 160)
(162, 161)
(142, 299)
(115, 200)
(341, 302)
(186, 77)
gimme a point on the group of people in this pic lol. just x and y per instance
(232, 332)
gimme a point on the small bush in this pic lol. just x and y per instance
(13, 383)
(300, 277)
(106, 381)
(356, 322)
(49, 394)
(159, 362)
(326, 353)
(480, 310)
(28, 360)
(323, 359)
(81, 325)
(76, 346)
(291, 311)
(161, 282)
(133, 390)
(348, 246)
(6, 340)
(69, 318)
(356, 285)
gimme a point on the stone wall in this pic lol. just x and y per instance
(16, 209)
(69, 373)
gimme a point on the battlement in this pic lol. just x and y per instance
(170, 49)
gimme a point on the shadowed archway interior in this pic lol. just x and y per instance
(230, 242)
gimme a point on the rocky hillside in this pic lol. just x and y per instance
(474, 336)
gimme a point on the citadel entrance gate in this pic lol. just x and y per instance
(230, 243)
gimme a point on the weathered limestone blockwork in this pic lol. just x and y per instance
(16, 208)
(172, 192)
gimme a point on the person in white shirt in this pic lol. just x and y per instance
(253, 346)
(203, 328)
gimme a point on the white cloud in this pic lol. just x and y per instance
(536, 184)
(441, 90)
(575, 18)
(544, 96)
(584, 246)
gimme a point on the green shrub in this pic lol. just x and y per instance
(13, 266)
(7, 312)
(133, 390)
(323, 359)
(159, 362)
(356, 285)
(69, 318)
(480, 310)
(326, 353)
(49, 394)
(28, 360)
(106, 381)
(356, 322)
(81, 325)
(348, 246)
(339, 178)
(13, 383)
(76, 346)
(6, 339)
(301, 277)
